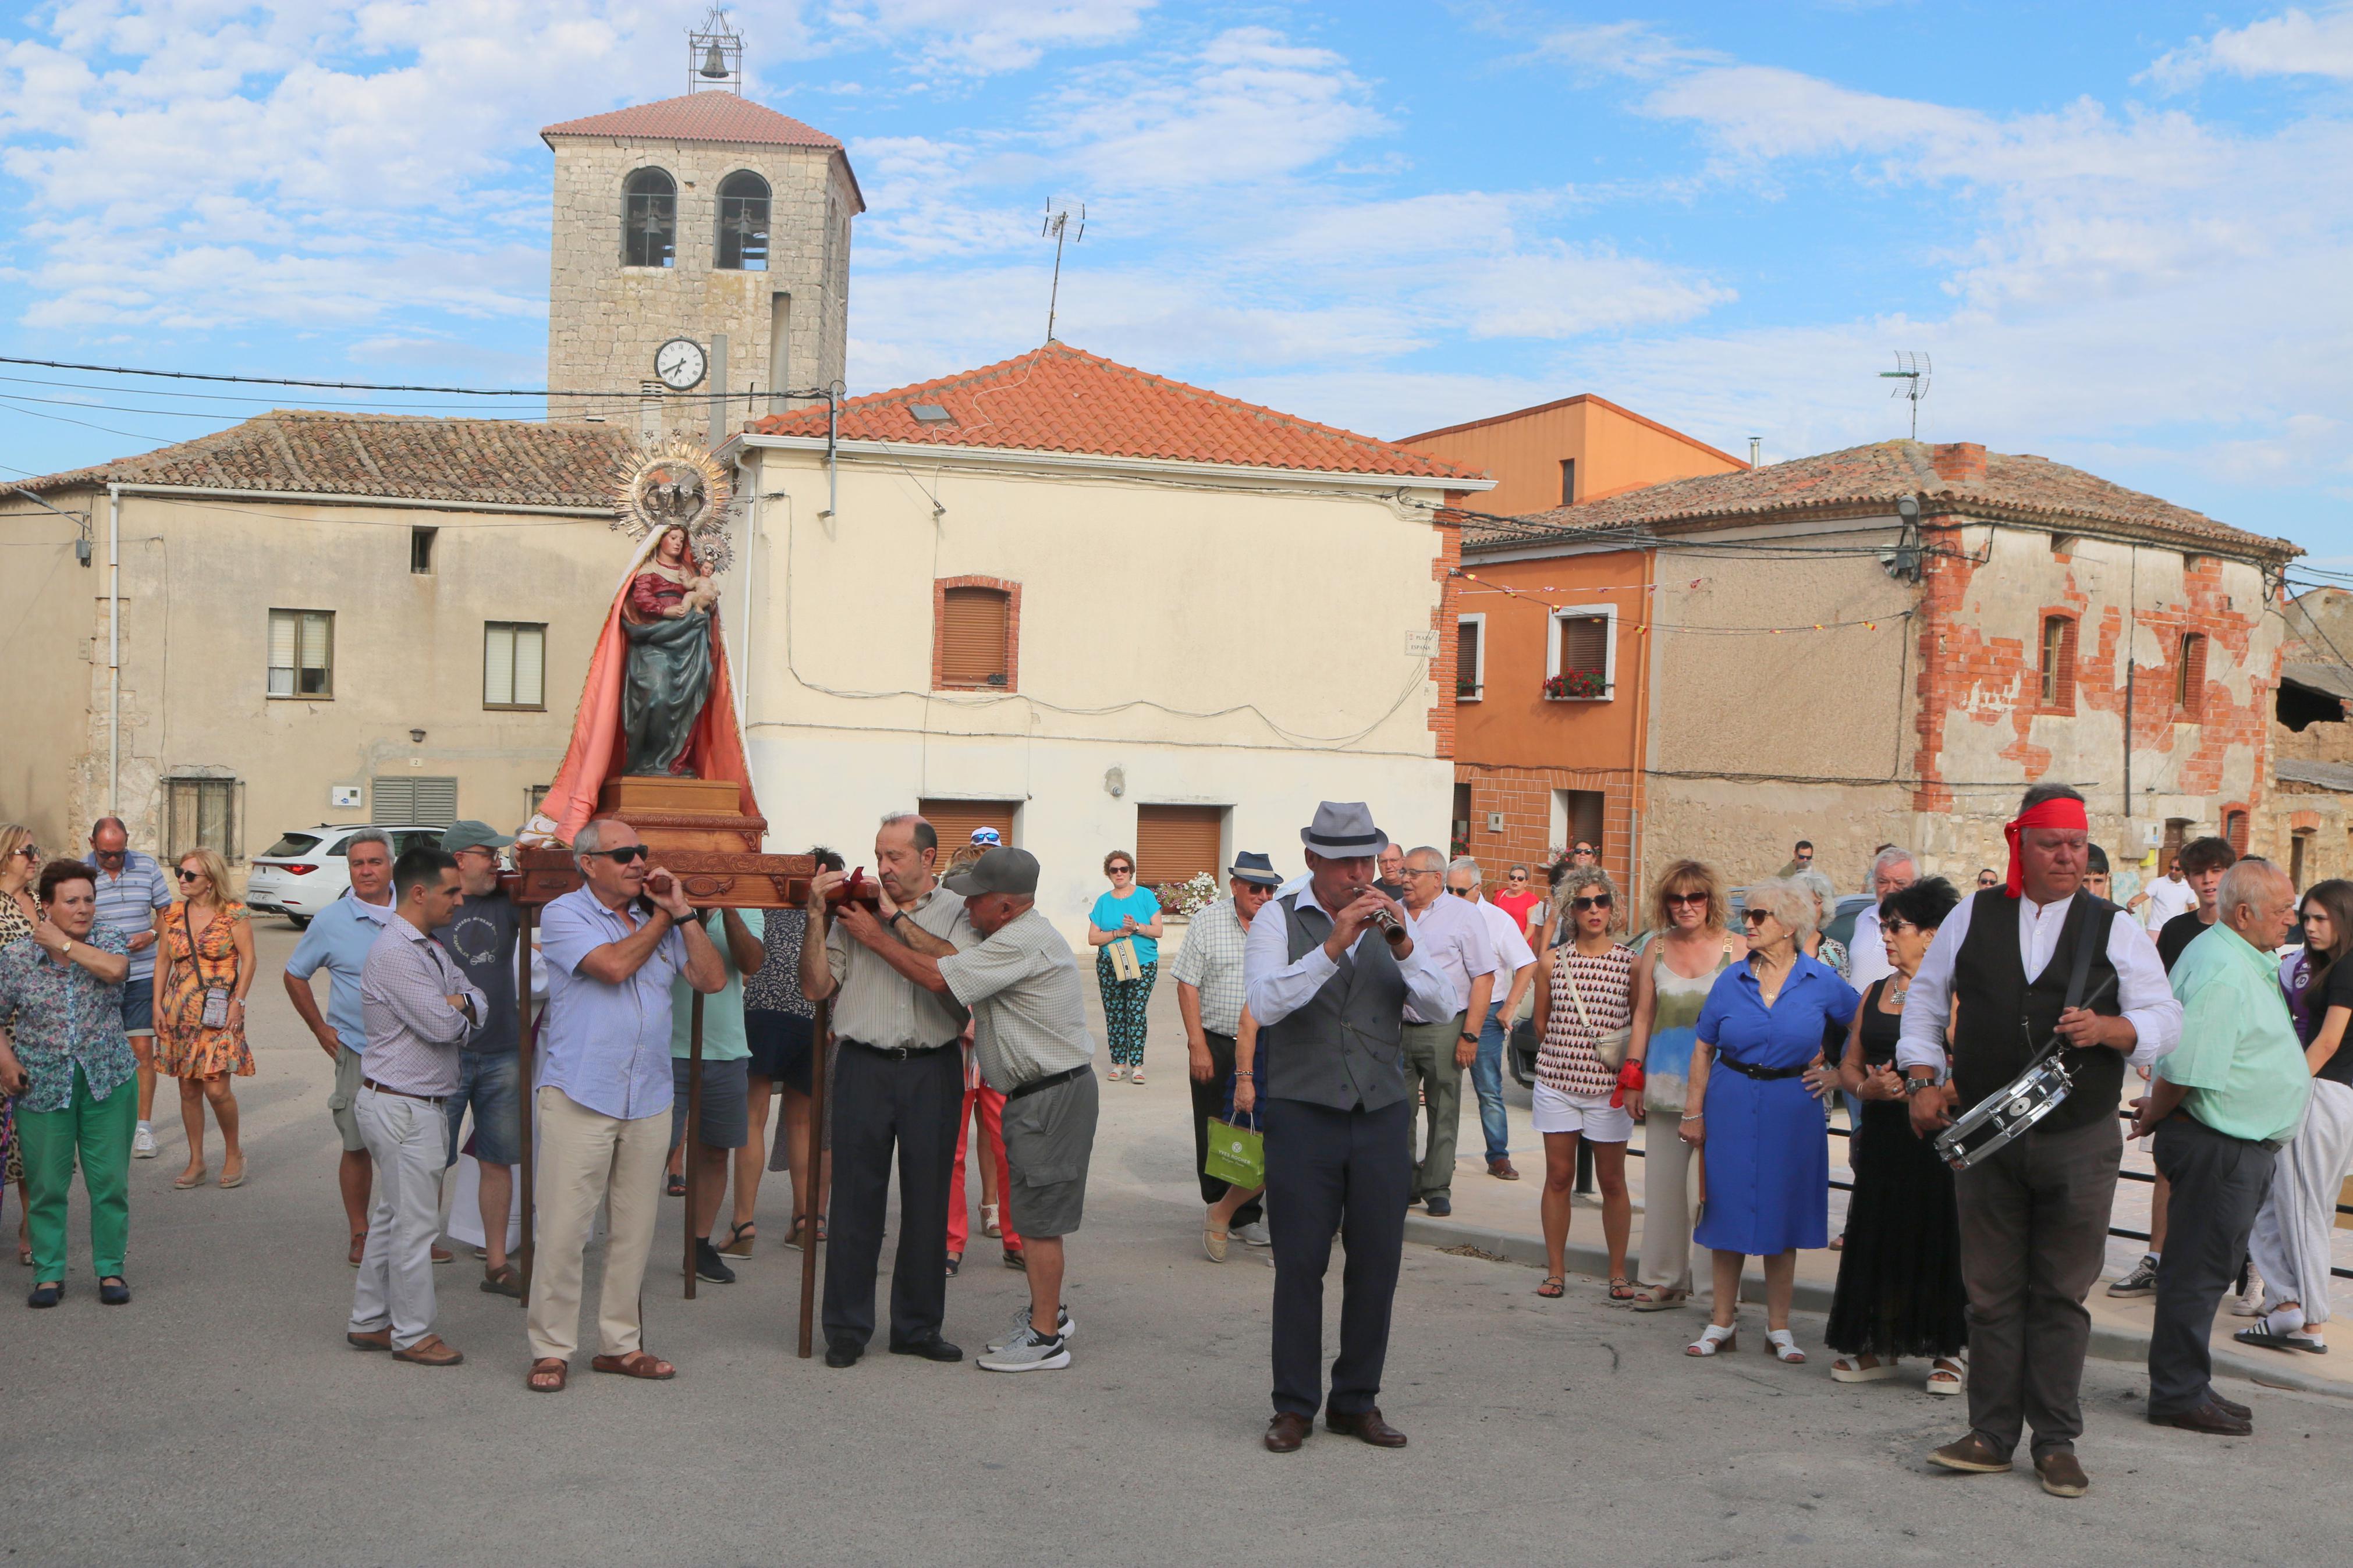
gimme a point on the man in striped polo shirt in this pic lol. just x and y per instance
(130, 889)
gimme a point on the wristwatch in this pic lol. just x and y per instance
(1915, 1085)
(1467, 1034)
(896, 916)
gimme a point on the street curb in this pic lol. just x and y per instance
(1812, 1295)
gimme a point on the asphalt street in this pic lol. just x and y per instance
(220, 1417)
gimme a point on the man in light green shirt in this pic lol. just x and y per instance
(725, 1124)
(2221, 1103)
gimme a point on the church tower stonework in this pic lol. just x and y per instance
(697, 218)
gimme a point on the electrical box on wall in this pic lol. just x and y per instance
(2152, 835)
(341, 798)
(1494, 822)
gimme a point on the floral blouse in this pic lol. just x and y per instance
(59, 1015)
(777, 988)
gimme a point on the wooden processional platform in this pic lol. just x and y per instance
(695, 830)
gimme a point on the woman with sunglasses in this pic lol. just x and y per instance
(207, 951)
(1757, 1116)
(1899, 1283)
(1672, 981)
(1584, 1006)
(1130, 914)
(20, 862)
(1518, 898)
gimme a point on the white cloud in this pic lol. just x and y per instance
(1620, 48)
(2294, 43)
(979, 36)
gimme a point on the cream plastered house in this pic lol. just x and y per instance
(1097, 609)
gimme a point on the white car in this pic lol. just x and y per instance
(305, 871)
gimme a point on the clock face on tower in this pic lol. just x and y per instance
(680, 364)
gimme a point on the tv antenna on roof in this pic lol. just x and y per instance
(1911, 372)
(1058, 225)
(714, 55)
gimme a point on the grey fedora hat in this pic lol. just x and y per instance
(1250, 866)
(1344, 830)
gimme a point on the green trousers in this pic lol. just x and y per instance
(1430, 1066)
(100, 1131)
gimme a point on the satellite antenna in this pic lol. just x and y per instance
(1911, 375)
(1059, 225)
(714, 55)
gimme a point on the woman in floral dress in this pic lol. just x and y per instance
(207, 945)
(20, 862)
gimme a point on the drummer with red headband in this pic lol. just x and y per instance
(2034, 1215)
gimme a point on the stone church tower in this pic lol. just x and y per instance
(699, 217)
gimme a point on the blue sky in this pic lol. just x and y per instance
(2122, 232)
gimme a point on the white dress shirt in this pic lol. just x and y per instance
(1277, 987)
(2142, 988)
(1512, 953)
(1866, 955)
(1451, 932)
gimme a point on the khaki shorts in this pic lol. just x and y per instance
(346, 1094)
(1048, 1138)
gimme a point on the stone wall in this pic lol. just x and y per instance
(605, 321)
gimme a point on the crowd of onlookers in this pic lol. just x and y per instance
(1727, 1021)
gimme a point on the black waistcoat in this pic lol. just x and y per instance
(2004, 1018)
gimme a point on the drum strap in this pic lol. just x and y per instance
(2087, 942)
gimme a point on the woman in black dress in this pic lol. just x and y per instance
(1899, 1284)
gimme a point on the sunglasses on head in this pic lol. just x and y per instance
(1686, 898)
(621, 856)
(1597, 901)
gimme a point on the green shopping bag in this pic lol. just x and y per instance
(1236, 1154)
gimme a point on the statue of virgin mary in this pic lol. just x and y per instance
(657, 702)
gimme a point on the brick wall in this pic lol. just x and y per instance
(1442, 620)
(1524, 797)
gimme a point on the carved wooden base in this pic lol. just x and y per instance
(733, 880)
(684, 817)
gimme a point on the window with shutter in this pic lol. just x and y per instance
(398, 799)
(974, 637)
(1176, 843)
(1469, 672)
(2235, 828)
(302, 654)
(2059, 663)
(2189, 675)
(515, 658)
(200, 814)
(1579, 660)
(954, 820)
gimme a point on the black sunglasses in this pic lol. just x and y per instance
(1115, 870)
(1599, 901)
(622, 856)
(185, 875)
(1686, 898)
(111, 854)
(1519, 877)
(29, 852)
(1755, 916)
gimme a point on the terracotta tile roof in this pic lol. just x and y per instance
(404, 457)
(698, 117)
(1956, 477)
(1061, 399)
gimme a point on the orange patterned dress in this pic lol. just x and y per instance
(186, 1047)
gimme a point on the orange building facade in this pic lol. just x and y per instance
(1578, 450)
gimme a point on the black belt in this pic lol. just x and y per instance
(899, 1053)
(1049, 1081)
(387, 1089)
(2274, 1144)
(1748, 1069)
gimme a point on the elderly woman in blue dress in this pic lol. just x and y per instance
(1757, 1074)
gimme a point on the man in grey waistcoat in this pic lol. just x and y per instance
(1328, 971)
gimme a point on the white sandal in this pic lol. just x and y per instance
(1714, 1338)
(1850, 1369)
(1949, 1375)
(1783, 1347)
(1136, 1075)
(989, 1226)
(1118, 1071)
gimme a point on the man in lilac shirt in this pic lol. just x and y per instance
(612, 948)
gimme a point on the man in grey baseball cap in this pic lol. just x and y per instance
(1029, 1033)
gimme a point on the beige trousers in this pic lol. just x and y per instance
(584, 1158)
(1667, 1211)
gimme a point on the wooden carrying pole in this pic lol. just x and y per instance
(692, 1143)
(821, 1030)
(522, 1086)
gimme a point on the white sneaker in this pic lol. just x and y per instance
(2251, 1303)
(1028, 1352)
(1253, 1233)
(1063, 1326)
(142, 1142)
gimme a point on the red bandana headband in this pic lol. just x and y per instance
(2059, 813)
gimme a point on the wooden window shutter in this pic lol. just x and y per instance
(2059, 663)
(2235, 828)
(953, 821)
(1585, 645)
(1466, 658)
(2190, 688)
(974, 623)
(1175, 843)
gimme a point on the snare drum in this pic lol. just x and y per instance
(2005, 1115)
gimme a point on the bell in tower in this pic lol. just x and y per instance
(714, 55)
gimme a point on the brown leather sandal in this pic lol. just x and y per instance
(430, 1350)
(548, 1375)
(637, 1364)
